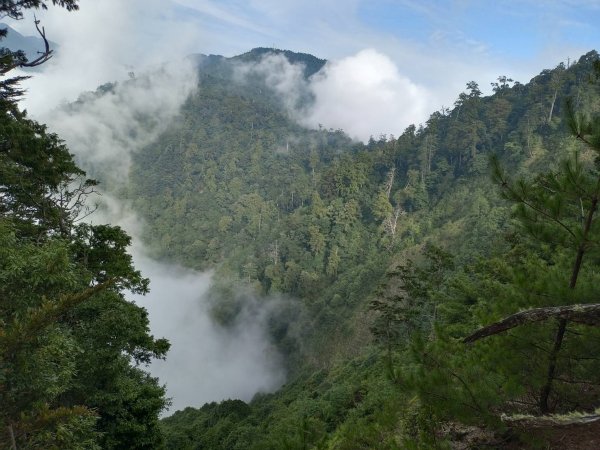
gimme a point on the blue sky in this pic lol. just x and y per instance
(524, 29)
(435, 46)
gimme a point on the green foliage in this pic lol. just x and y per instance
(350, 406)
(405, 237)
(41, 186)
(539, 367)
(406, 302)
(70, 343)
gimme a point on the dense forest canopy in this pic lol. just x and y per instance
(393, 251)
(420, 302)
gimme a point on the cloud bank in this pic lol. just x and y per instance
(366, 95)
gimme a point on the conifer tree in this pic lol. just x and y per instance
(559, 208)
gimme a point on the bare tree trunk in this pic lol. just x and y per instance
(391, 222)
(552, 106)
(13, 441)
(390, 182)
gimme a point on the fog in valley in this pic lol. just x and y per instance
(207, 362)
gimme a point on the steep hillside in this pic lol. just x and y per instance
(392, 251)
(237, 184)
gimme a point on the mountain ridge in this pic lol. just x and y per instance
(379, 245)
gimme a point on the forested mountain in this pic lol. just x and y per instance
(388, 254)
(392, 251)
(418, 301)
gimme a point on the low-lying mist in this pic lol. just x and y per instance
(207, 361)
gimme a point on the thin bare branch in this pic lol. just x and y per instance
(46, 54)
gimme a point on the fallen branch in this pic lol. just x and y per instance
(573, 418)
(582, 314)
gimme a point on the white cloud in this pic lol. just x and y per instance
(102, 42)
(366, 95)
(104, 131)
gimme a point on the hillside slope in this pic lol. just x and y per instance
(392, 250)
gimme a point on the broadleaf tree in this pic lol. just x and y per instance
(72, 347)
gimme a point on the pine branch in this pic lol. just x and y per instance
(582, 314)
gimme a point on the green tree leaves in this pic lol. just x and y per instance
(70, 343)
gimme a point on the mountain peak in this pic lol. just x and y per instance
(311, 63)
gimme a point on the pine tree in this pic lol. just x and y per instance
(558, 208)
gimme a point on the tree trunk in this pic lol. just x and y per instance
(547, 388)
(13, 441)
(562, 323)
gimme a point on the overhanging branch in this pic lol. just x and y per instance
(582, 314)
(46, 54)
(41, 59)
